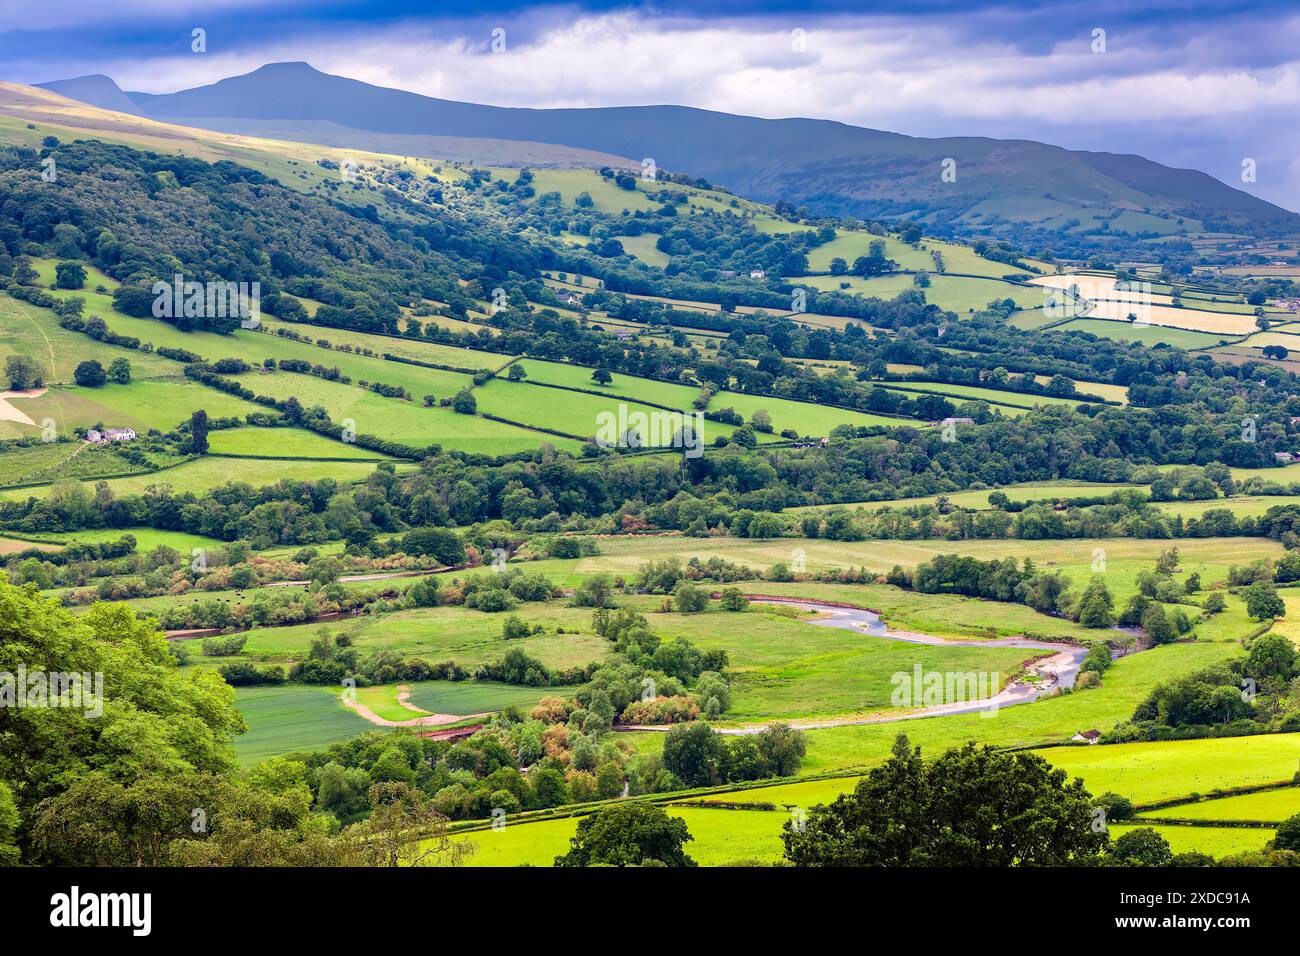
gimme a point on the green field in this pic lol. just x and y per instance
(286, 443)
(1272, 806)
(146, 539)
(624, 386)
(1145, 772)
(804, 417)
(1146, 334)
(952, 293)
(58, 460)
(28, 330)
(574, 413)
(461, 634)
(1216, 841)
(721, 838)
(400, 421)
(143, 404)
(958, 259)
(292, 717)
(786, 668)
(461, 698)
(960, 393)
(204, 474)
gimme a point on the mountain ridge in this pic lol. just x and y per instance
(833, 168)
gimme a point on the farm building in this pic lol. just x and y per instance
(96, 437)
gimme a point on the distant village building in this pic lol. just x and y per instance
(1091, 736)
(569, 298)
(1289, 305)
(1285, 457)
(96, 437)
(757, 274)
(955, 421)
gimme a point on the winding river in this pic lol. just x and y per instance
(1056, 670)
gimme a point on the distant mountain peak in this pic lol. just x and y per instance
(95, 89)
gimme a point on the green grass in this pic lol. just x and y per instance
(643, 247)
(456, 633)
(786, 668)
(146, 539)
(1272, 806)
(1050, 720)
(142, 404)
(958, 259)
(1160, 770)
(573, 413)
(1216, 841)
(807, 794)
(804, 417)
(400, 421)
(207, 473)
(952, 293)
(286, 442)
(28, 330)
(421, 351)
(624, 386)
(59, 460)
(1146, 334)
(292, 718)
(460, 698)
(721, 837)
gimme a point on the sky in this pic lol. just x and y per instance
(1202, 84)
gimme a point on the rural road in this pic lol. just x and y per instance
(1058, 670)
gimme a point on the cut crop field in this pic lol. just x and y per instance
(291, 718)
(1210, 557)
(993, 396)
(1024, 491)
(459, 698)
